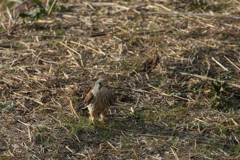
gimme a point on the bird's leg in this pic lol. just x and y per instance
(103, 115)
(93, 116)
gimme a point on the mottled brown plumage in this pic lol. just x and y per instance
(99, 100)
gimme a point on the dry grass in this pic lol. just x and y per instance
(166, 70)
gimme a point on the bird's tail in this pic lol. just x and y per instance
(82, 106)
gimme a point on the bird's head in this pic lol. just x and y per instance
(101, 85)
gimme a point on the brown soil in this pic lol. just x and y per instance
(166, 66)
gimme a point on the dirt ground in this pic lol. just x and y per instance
(172, 66)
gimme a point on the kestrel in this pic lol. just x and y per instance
(99, 100)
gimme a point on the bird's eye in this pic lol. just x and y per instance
(100, 83)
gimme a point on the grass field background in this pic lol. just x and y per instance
(172, 66)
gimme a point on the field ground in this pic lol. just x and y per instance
(173, 67)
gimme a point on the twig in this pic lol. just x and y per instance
(23, 71)
(234, 121)
(22, 105)
(24, 2)
(80, 56)
(117, 38)
(52, 7)
(42, 21)
(147, 76)
(99, 150)
(138, 134)
(47, 3)
(135, 153)
(164, 94)
(224, 127)
(73, 110)
(65, 75)
(236, 2)
(174, 153)
(69, 149)
(121, 29)
(116, 151)
(137, 101)
(111, 146)
(159, 5)
(29, 133)
(232, 63)
(104, 4)
(29, 98)
(73, 58)
(193, 14)
(219, 64)
(45, 60)
(60, 123)
(88, 47)
(89, 5)
(207, 78)
(140, 90)
(10, 17)
(26, 124)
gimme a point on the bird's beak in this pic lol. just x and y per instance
(104, 84)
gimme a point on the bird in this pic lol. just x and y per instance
(98, 100)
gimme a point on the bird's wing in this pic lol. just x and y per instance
(88, 97)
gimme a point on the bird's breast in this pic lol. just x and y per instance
(101, 101)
